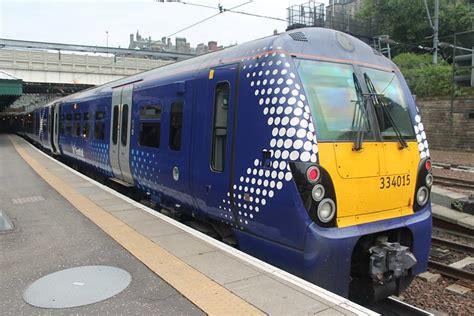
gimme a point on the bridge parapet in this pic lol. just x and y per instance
(55, 67)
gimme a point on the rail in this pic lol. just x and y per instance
(393, 306)
(452, 182)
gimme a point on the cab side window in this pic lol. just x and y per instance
(219, 132)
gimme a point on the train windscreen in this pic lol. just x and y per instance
(391, 96)
(336, 100)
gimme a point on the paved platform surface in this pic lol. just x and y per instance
(63, 220)
(51, 235)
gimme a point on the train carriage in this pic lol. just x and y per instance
(305, 149)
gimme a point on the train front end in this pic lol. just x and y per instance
(368, 193)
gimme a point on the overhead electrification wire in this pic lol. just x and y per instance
(258, 15)
(194, 24)
(221, 10)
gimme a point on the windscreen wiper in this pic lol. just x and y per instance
(378, 100)
(360, 116)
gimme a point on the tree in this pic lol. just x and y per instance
(405, 21)
(424, 78)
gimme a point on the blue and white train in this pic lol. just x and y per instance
(305, 148)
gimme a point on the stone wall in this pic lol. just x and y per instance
(446, 128)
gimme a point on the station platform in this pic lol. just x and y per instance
(441, 207)
(63, 219)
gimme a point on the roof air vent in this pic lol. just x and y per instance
(298, 36)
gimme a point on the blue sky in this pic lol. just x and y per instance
(86, 22)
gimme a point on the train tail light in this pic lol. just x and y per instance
(313, 174)
(428, 165)
(317, 193)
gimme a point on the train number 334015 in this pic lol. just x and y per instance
(394, 181)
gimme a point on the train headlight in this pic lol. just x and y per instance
(422, 196)
(326, 210)
(429, 179)
(318, 192)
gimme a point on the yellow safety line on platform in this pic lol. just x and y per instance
(205, 293)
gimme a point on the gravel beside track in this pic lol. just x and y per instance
(452, 157)
(435, 297)
(459, 238)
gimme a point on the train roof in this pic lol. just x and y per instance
(312, 43)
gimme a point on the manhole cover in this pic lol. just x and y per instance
(5, 222)
(77, 286)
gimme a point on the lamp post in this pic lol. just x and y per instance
(107, 37)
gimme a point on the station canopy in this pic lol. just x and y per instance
(11, 88)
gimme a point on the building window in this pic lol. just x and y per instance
(176, 125)
(150, 124)
(219, 135)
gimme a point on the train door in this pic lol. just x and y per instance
(120, 132)
(212, 171)
(53, 128)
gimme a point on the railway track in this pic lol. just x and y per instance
(393, 306)
(452, 182)
(448, 270)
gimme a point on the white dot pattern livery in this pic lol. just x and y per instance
(421, 136)
(282, 101)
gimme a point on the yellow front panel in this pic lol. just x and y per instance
(357, 164)
(373, 184)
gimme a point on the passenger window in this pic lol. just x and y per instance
(86, 125)
(150, 125)
(99, 127)
(150, 112)
(219, 135)
(68, 124)
(77, 124)
(85, 130)
(124, 128)
(176, 125)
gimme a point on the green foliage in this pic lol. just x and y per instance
(424, 78)
(405, 21)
